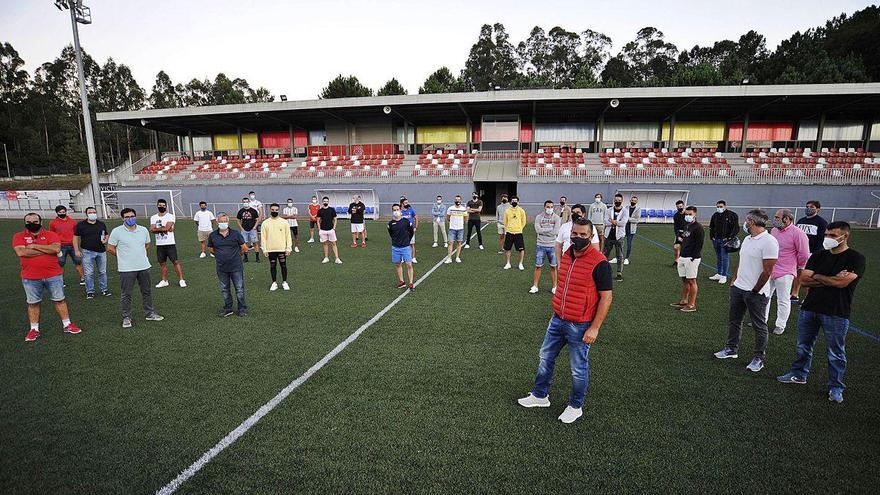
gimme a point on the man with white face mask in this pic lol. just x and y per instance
(290, 213)
(596, 214)
(229, 247)
(832, 276)
(313, 218)
(547, 225)
(438, 220)
(794, 250)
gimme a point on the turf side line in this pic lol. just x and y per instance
(247, 424)
(854, 328)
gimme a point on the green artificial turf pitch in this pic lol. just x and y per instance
(425, 399)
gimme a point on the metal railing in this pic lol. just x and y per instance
(698, 176)
(499, 155)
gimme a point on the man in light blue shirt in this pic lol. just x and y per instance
(129, 243)
(438, 219)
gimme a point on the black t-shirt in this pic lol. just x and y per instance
(474, 204)
(356, 210)
(829, 300)
(815, 229)
(401, 232)
(678, 222)
(90, 235)
(602, 276)
(248, 217)
(326, 216)
(692, 240)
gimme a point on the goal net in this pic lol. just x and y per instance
(143, 201)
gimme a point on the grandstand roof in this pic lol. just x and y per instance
(762, 102)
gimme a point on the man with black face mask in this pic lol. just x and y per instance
(616, 219)
(580, 305)
(678, 225)
(474, 208)
(37, 250)
(64, 226)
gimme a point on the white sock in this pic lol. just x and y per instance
(35, 326)
(64, 323)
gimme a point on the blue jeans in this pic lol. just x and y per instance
(559, 333)
(835, 328)
(722, 266)
(33, 288)
(226, 280)
(90, 260)
(629, 244)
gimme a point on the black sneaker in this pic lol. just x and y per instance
(245, 260)
(795, 300)
(242, 313)
(82, 281)
(226, 312)
(106, 293)
(619, 277)
(90, 295)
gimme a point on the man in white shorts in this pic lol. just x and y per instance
(356, 211)
(327, 229)
(689, 258)
(456, 214)
(204, 218)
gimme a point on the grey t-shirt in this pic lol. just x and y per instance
(547, 228)
(499, 212)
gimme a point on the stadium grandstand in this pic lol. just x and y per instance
(785, 142)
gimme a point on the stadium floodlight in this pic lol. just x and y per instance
(80, 14)
(144, 122)
(283, 97)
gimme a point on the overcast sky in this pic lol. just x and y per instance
(295, 47)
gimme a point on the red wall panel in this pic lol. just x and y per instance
(525, 132)
(300, 139)
(477, 134)
(275, 139)
(762, 131)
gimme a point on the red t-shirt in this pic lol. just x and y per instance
(313, 211)
(38, 267)
(64, 229)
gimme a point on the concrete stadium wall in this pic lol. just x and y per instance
(532, 195)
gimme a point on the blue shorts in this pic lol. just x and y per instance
(33, 288)
(456, 235)
(250, 236)
(542, 252)
(401, 254)
(67, 250)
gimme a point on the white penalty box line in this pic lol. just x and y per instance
(247, 424)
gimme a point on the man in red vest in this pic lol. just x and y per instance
(580, 305)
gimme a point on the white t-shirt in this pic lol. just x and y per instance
(291, 210)
(457, 214)
(166, 238)
(257, 205)
(564, 235)
(204, 218)
(752, 253)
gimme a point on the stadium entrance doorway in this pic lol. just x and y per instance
(490, 193)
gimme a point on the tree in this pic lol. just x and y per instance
(650, 56)
(391, 88)
(197, 93)
(344, 87)
(165, 94)
(441, 81)
(617, 73)
(492, 60)
(859, 35)
(259, 95)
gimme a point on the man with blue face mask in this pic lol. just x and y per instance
(90, 244)
(130, 242)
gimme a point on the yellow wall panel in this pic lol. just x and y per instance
(249, 141)
(695, 131)
(440, 134)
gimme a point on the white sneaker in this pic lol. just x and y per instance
(212, 255)
(722, 280)
(415, 260)
(612, 260)
(338, 261)
(533, 290)
(756, 365)
(458, 260)
(532, 401)
(553, 290)
(447, 261)
(521, 267)
(715, 277)
(626, 261)
(446, 244)
(778, 331)
(507, 266)
(311, 240)
(285, 286)
(571, 414)
(182, 283)
(325, 260)
(162, 283)
(434, 245)
(467, 246)
(296, 249)
(202, 255)
(274, 286)
(481, 247)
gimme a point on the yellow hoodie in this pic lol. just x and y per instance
(275, 234)
(515, 220)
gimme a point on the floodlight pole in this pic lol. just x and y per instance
(6, 154)
(84, 97)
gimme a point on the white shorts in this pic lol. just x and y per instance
(357, 227)
(413, 240)
(501, 229)
(327, 235)
(688, 267)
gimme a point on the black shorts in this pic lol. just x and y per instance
(312, 224)
(294, 231)
(164, 253)
(277, 256)
(511, 240)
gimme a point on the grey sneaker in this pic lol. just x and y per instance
(726, 353)
(155, 317)
(778, 331)
(835, 395)
(756, 365)
(126, 323)
(790, 377)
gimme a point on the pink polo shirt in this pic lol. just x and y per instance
(794, 250)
